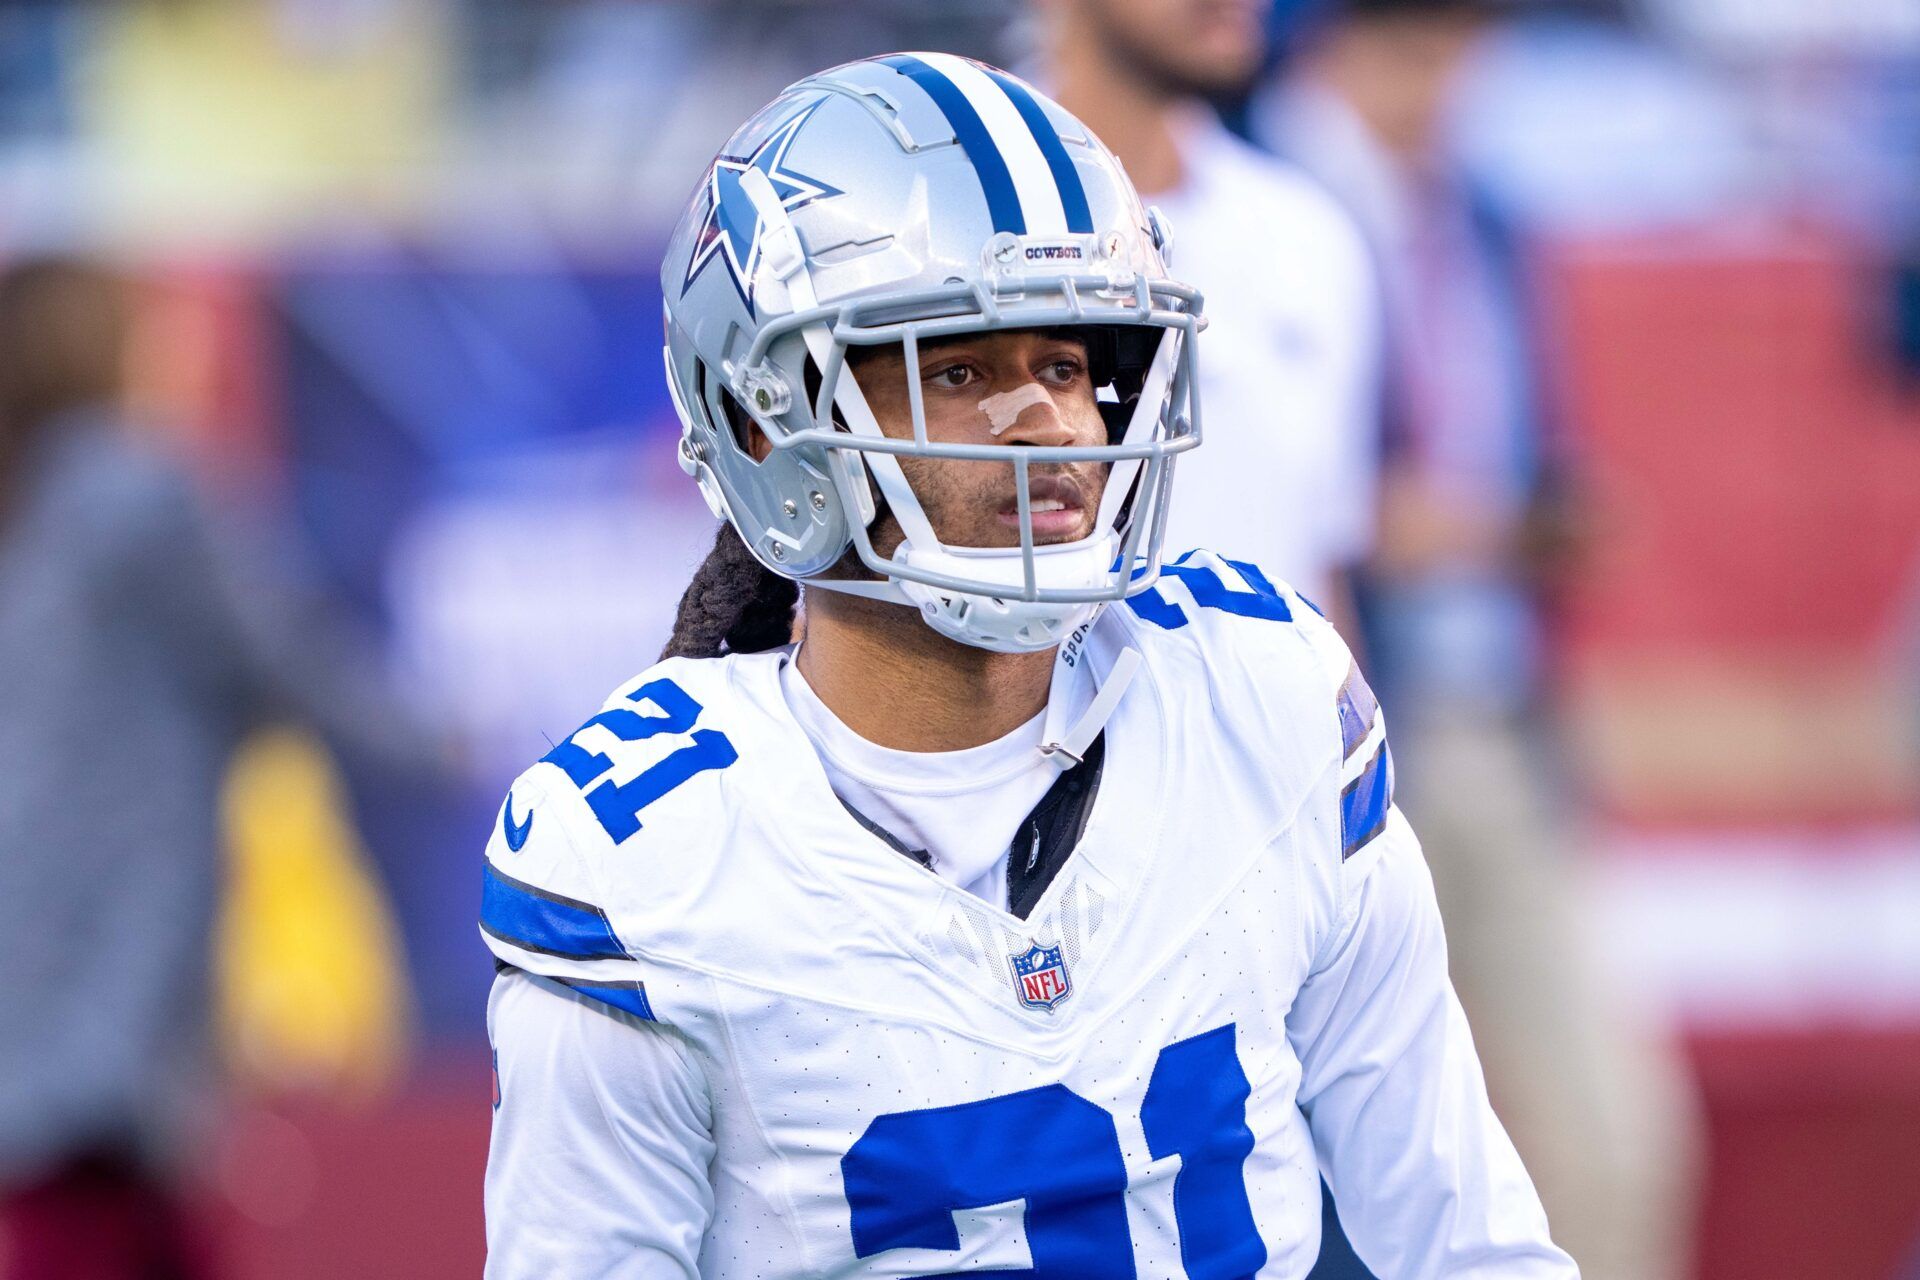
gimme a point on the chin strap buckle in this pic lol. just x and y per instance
(1056, 752)
(1069, 749)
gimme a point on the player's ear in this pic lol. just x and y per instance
(757, 443)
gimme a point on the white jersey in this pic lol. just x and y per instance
(957, 811)
(763, 1044)
(1290, 379)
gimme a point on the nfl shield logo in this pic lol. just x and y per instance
(1040, 977)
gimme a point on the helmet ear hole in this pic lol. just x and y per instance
(747, 436)
(746, 432)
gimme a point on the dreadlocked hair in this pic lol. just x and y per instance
(734, 604)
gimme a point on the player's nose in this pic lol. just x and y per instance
(1022, 410)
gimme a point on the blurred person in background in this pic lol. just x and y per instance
(135, 654)
(1474, 531)
(1294, 334)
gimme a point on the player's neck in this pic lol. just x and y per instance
(1135, 119)
(897, 682)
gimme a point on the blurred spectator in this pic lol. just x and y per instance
(1474, 525)
(133, 660)
(223, 119)
(1290, 367)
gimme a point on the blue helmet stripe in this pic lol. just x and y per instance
(996, 181)
(1073, 194)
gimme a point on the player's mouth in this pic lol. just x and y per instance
(1056, 507)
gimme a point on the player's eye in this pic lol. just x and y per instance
(952, 377)
(1065, 369)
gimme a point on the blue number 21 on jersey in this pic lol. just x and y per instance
(617, 806)
(1060, 1154)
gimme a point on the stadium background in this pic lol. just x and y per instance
(398, 266)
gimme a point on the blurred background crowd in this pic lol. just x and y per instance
(1569, 351)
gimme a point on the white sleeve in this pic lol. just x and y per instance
(602, 1137)
(1426, 1181)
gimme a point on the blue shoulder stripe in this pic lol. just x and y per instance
(630, 997)
(1073, 193)
(1364, 803)
(535, 920)
(996, 180)
(1358, 707)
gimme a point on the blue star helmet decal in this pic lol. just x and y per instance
(732, 226)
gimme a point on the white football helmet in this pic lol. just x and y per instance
(900, 200)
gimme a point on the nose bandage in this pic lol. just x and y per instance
(1005, 409)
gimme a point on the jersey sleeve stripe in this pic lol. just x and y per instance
(1364, 803)
(1358, 709)
(536, 920)
(545, 964)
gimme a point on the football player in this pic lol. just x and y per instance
(1044, 912)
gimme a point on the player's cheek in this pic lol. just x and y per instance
(946, 489)
(952, 414)
(1081, 412)
(1093, 483)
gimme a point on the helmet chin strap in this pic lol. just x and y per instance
(1064, 745)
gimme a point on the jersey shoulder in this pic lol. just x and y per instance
(1238, 628)
(617, 827)
(1278, 678)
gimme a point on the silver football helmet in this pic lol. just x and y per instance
(900, 200)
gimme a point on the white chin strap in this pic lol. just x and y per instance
(1066, 745)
